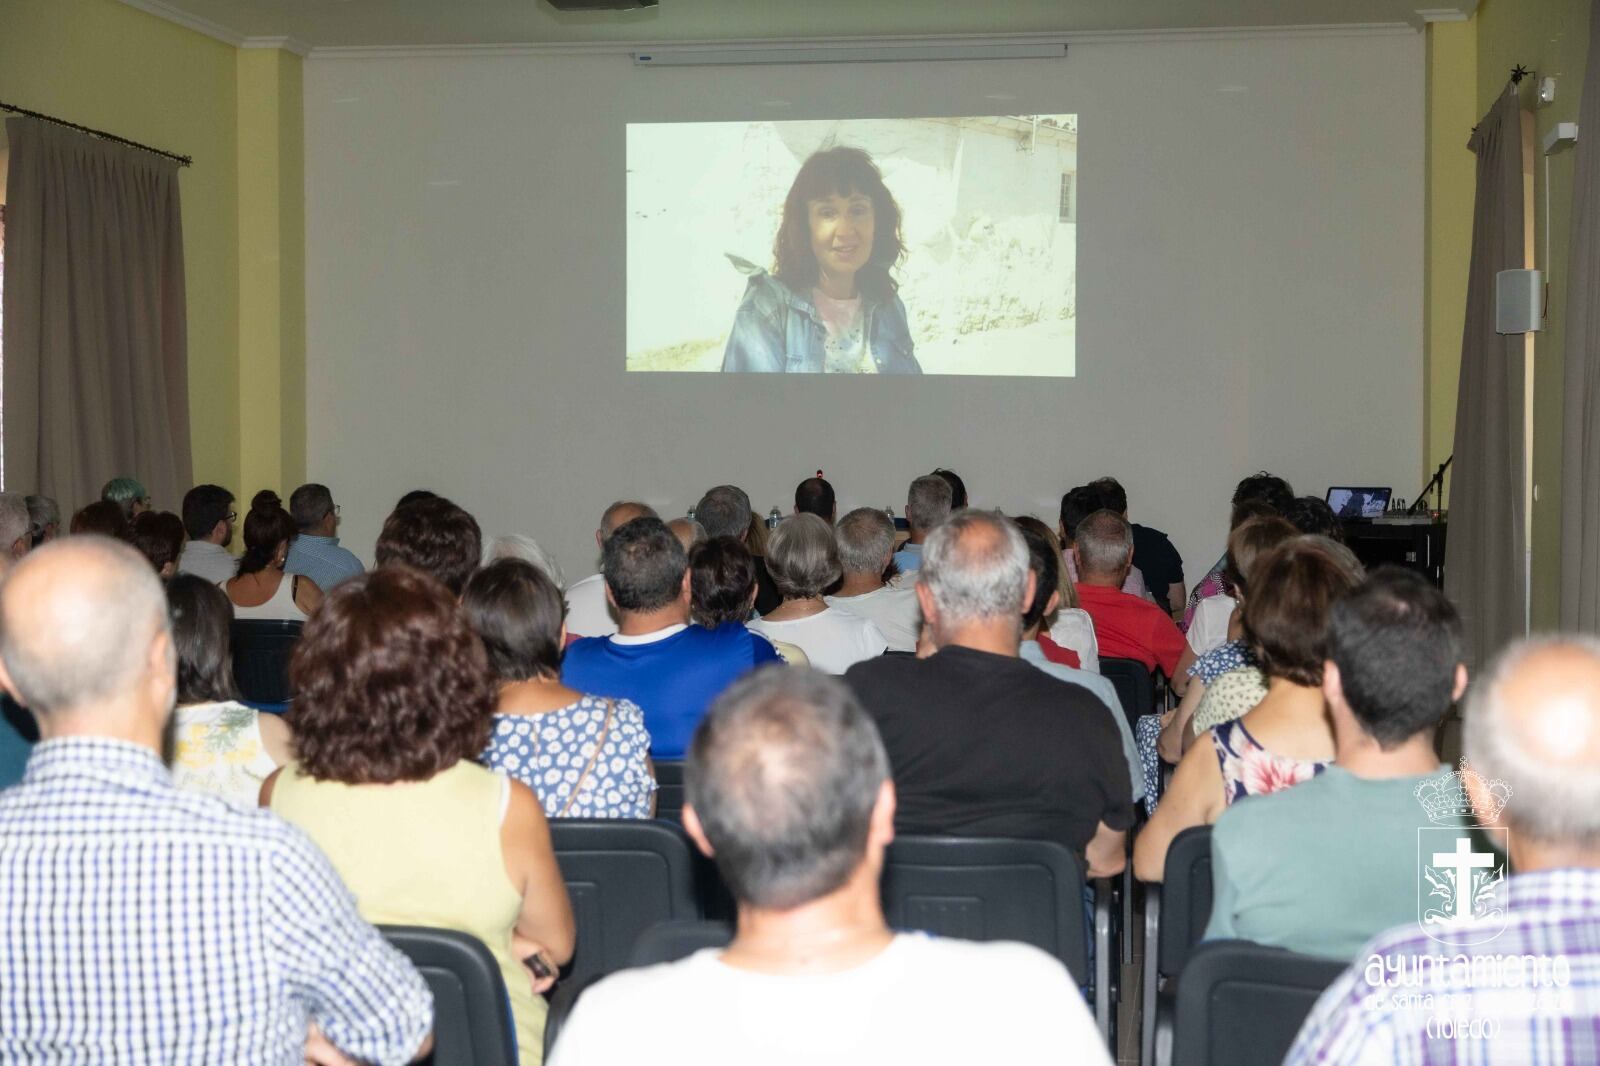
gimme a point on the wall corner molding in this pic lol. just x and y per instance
(287, 44)
(216, 31)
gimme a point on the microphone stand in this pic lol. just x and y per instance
(1437, 482)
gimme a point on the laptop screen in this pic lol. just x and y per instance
(1349, 502)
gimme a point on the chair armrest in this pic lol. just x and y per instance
(562, 1000)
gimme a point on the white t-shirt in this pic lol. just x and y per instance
(892, 609)
(1208, 629)
(1074, 629)
(588, 613)
(833, 640)
(921, 1001)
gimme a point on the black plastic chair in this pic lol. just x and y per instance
(622, 876)
(1135, 685)
(669, 789)
(662, 942)
(995, 889)
(261, 651)
(1242, 1004)
(471, 1014)
(1176, 913)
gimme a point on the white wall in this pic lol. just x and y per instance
(1249, 289)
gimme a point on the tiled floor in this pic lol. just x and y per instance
(1128, 1009)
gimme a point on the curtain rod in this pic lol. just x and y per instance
(182, 160)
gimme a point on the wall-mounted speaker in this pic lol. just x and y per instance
(1518, 301)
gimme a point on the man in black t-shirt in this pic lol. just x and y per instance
(981, 742)
(1153, 551)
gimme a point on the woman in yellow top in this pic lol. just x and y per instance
(394, 699)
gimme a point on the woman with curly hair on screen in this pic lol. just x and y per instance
(829, 305)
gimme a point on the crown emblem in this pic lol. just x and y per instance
(1447, 802)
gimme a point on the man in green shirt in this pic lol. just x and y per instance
(1324, 866)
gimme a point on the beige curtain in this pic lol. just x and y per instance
(1580, 426)
(96, 381)
(1484, 560)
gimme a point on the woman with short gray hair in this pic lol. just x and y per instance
(804, 562)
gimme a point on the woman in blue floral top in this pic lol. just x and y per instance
(583, 756)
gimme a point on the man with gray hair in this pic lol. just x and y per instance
(1125, 626)
(928, 503)
(589, 614)
(790, 794)
(865, 538)
(724, 511)
(316, 552)
(106, 863)
(983, 743)
(44, 519)
(1532, 741)
(16, 530)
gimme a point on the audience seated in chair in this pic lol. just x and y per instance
(394, 698)
(724, 511)
(159, 537)
(689, 532)
(103, 517)
(1532, 738)
(44, 519)
(1284, 740)
(804, 561)
(16, 529)
(316, 552)
(671, 669)
(434, 536)
(220, 746)
(1044, 562)
(584, 756)
(722, 589)
(161, 926)
(928, 503)
(983, 743)
(789, 792)
(865, 542)
(589, 613)
(1249, 541)
(262, 589)
(815, 496)
(1257, 495)
(1155, 557)
(1125, 626)
(521, 546)
(208, 519)
(1066, 633)
(1076, 505)
(128, 494)
(1323, 867)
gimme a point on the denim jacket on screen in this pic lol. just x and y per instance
(777, 330)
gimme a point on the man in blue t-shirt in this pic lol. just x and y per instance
(671, 669)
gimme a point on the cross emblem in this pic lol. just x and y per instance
(1463, 861)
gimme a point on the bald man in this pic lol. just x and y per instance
(160, 926)
(589, 614)
(1531, 992)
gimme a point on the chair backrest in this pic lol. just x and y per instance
(1136, 688)
(671, 941)
(669, 789)
(1185, 898)
(622, 876)
(990, 889)
(471, 1014)
(261, 650)
(1242, 1004)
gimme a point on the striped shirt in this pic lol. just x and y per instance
(140, 924)
(1531, 994)
(322, 560)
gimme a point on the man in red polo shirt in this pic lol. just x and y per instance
(1126, 626)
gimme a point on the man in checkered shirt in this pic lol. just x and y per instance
(1530, 992)
(140, 924)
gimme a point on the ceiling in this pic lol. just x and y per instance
(313, 24)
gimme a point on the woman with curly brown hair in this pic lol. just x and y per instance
(394, 698)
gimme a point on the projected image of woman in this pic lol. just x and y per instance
(829, 305)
